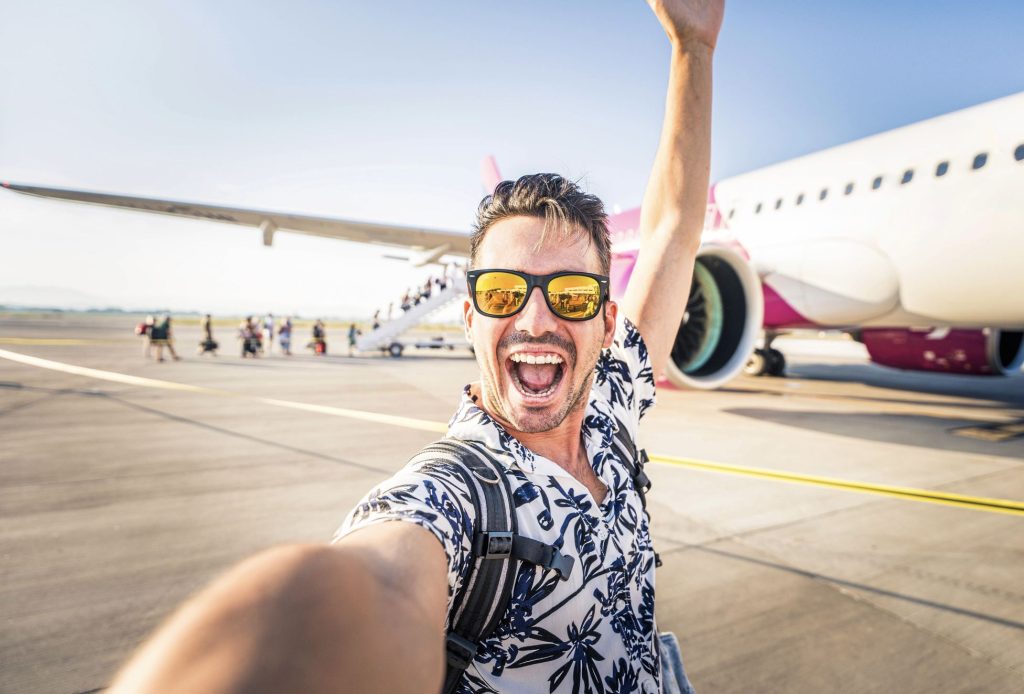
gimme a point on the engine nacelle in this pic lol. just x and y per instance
(988, 352)
(723, 319)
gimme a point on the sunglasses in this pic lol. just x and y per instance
(504, 293)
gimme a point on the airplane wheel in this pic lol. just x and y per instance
(757, 365)
(395, 350)
(776, 363)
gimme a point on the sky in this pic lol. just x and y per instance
(383, 111)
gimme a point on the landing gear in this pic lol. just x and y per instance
(395, 349)
(766, 361)
(776, 363)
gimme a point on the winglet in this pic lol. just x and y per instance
(489, 173)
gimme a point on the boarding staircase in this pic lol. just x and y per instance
(386, 336)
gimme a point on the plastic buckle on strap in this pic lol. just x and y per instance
(494, 545)
(461, 651)
(642, 482)
(561, 563)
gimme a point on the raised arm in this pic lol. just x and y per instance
(672, 216)
(366, 615)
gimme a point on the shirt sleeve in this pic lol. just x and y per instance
(432, 496)
(625, 372)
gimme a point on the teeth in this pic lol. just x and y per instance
(536, 358)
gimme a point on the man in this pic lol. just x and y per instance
(368, 614)
(268, 332)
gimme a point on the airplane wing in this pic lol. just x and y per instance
(433, 242)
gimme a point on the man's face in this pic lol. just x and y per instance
(536, 397)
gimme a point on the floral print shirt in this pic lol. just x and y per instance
(594, 632)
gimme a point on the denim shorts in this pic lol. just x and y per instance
(673, 676)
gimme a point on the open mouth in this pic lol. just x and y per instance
(535, 375)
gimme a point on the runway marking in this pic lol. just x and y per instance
(395, 420)
(906, 493)
(1014, 508)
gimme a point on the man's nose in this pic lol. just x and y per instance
(536, 318)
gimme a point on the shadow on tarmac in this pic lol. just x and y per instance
(992, 619)
(921, 430)
(1006, 390)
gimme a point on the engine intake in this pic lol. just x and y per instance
(723, 318)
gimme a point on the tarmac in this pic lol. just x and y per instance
(121, 496)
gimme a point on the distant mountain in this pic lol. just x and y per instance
(28, 296)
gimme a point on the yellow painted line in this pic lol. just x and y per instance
(50, 341)
(906, 493)
(1015, 508)
(393, 420)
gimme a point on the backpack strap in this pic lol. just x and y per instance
(497, 551)
(635, 462)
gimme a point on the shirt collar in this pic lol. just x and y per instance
(471, 423)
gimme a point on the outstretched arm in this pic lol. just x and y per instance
(672, 216)
(366, 615)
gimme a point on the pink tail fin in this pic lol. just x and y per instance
(490, 175)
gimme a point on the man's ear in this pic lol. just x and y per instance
(467, 320)
(611, 312)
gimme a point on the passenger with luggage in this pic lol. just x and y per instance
(284, 335)
(248, 335)
(145, 331)
(162, 336)
(207, 345)
(319, 341)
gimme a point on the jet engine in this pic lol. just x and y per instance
(987, 352)
(723, 319)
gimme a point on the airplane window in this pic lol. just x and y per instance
(778, 203)
(1018, 153)
(941, 169)
(979, 161)
(823, 194)
(800, 199)
(877, 183)
(849, 189)
(757, 210)
(907, 176)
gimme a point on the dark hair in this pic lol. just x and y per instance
(565, 208)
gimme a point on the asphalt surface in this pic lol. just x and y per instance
(118, 500)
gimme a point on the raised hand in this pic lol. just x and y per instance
(690, 22)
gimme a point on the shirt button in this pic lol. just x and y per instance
(602, 532)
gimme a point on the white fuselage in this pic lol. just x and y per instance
(934, 251)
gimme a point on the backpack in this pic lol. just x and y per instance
(498, 549)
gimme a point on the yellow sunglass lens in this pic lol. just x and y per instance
(500, 293)
(574, 296)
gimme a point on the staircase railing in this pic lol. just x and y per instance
(390, 330)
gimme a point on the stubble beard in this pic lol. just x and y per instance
(535, 420)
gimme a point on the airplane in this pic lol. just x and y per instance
(911, 241)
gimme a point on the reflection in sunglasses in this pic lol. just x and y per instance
(500, 294)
